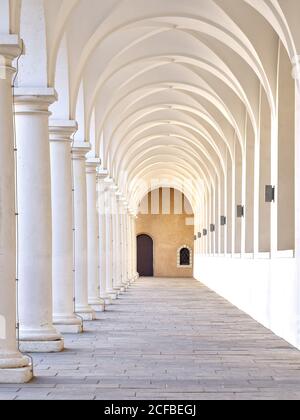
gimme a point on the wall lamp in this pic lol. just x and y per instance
(240, 212)
(205, 232)
(223, 221)
(199, 235)
(270, 194)
(212, 228)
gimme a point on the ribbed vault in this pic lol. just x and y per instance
(169, 87)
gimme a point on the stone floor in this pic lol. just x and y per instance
(169, 339)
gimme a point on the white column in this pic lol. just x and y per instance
(135, 273)
(14, 368)
(131, 248)
(82, 308)
(93, 237)
(114, 255)
(128, 235)
(124, 265)
(126, 268)
(297, 197)
(37, 332)
(102, 236)
(123, 283)
(117, 243)
(62, 227)
(109, 241)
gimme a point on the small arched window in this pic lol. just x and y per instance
(185, 257)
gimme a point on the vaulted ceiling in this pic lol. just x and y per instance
(163, 89)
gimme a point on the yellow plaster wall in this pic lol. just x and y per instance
(169, 233)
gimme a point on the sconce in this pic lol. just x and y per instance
(223, 221)
(270, 194)
(240, 211)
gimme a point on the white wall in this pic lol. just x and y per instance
(264, 288)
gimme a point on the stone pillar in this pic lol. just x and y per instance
(124, 266)
(135, 273)
(93, 237)
(297, 198)
(37, 332)
(14, 368)
(123, 283)
(62, 227)
(128, 240)
(131, 249)
(102, 236)
(82, 308)
(109, 241)
(117, 276)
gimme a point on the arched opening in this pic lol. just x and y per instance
(145, 256)
(167, 216)
(184, 257)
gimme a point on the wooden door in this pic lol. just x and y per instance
(145, 256)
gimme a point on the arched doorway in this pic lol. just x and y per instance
(145, 256)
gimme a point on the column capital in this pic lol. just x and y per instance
(102, 174)
(92, 164)
(132, 214)
(109, 185)
(80, 149)
(62, 130)
(32, 100)
(10, 48)
(109, 182)
(114, 189)
(119, 196)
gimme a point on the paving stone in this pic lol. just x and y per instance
(169, 339)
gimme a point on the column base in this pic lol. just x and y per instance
(87, 316)
(69, 329)
(113, 296)
(56, 346)
(98, 305)
(99, 308)
(16, 375)
(107, 301)
(68, 325)
(86, 313)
